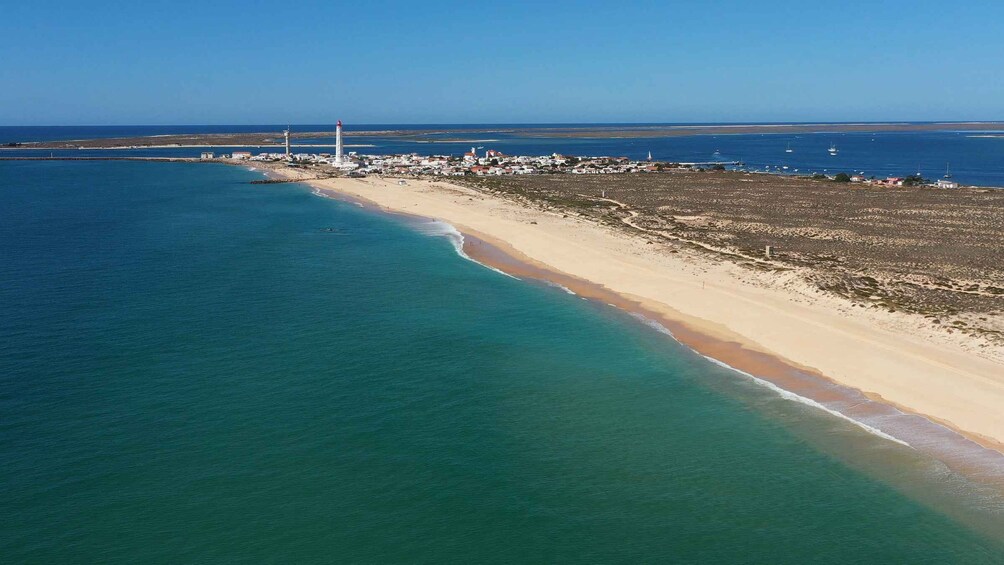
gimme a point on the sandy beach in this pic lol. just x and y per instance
(879, 368)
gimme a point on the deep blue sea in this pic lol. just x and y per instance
(971, 157)
(193, 368)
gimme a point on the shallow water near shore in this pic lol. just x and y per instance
(198, 368)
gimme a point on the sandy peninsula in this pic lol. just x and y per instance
(877, 367)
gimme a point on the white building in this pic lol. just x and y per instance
(206, 155)
(946, 183)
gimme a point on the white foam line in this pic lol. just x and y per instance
(786, 394)
(653, 324)
(439, 228)
(561, 286)
(329, 196)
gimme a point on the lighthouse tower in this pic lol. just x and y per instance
(289, 154)
(338, 144)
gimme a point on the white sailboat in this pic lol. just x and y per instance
(788, 148)
(833, 149)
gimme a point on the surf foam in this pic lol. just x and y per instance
(439, 228)
(786, 394)
(561, 286)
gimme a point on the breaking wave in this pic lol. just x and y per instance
(439, 228)
(561, 286)
(786, 394)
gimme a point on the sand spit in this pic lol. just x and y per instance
(869, 365)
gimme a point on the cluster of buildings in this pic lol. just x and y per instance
(902, 181)
(490, 162)
(493, 162)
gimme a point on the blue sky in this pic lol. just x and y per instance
(248, 62)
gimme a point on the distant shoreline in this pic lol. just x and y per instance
(272, 138)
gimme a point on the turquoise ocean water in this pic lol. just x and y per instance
(193, 368)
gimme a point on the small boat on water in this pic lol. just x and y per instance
(788, 149)
(717, 153)
(833, 149)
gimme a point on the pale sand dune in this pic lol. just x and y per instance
(884, 355)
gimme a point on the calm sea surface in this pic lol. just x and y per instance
(971, 157)
(193, 368)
